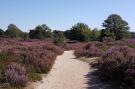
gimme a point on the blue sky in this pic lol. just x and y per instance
(62, 14)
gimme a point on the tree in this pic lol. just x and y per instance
(95, 33)
(115, 25)
(40, 32)
(58, 37)
(132, 34)
(25, 35)
(67, 34)
(80, 32)
(106, 34)
(13, 31)
(1, 32)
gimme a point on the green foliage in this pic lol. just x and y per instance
(34, 76)
(1, 32)
(40, 32)
(67, 34)
(3, 57)
(25, 35)
(132, 46)
(94, 36)
(115, 27)
(13, 31)
(132, 34)
(80, 32)
(58, 37)
(106, 33)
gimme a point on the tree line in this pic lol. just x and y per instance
(114, 28)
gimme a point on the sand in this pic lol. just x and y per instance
(67, 73)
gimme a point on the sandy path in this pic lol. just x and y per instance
(67, 73)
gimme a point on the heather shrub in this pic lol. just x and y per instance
(38, 56)
(80, 52)
(107, 39)
(93, 51)
(54, 49)
(73, 46)
(89, 50)
(42, 61)
(117, 64)
(15, 75)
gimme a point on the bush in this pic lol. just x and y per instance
(13, 32)
(40, 32)
(58, 37)
(1, 32)
(73, 46)
(89, 50)
(15, 75)
(117, 64)
(93, 51)
(80, 32)
(41, 61)
(107, 39)
(38, 56)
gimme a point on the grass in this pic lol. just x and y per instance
(88, 60)
(34, 77)
(132, 46)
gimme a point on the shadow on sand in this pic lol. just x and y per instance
(95, 83)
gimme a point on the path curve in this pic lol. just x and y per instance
(67, 73)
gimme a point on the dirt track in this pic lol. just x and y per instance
(67, 73)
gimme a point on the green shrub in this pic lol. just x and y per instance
(3, 57)
(79, 32)
(40, 32)
(58, 37)
(13, 32)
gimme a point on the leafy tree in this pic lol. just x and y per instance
(115, 25)
(80, 32)
(132, 34)
(40, 32)
(13, 31)
(58, 37)
(1, 32)
(67, 34)
(106, 34)
(25, 35)
(95, 33)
